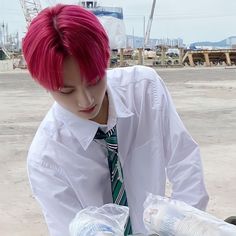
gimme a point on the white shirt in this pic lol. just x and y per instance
(69, 171)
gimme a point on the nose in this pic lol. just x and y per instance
(85, 99)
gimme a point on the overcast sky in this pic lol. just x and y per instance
(199, 20)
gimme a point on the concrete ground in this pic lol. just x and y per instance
(205, 99)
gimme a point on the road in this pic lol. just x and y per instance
(204, 97)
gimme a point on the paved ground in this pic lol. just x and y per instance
(205, 99)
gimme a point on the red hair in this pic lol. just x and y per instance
(62, 31)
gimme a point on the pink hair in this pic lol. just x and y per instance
(62, 31)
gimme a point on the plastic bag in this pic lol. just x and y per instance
(168, 217)
(108, 220)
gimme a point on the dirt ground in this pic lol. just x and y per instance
(205, 99)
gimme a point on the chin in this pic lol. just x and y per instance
(90, 116)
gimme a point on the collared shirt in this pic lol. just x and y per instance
(68, 170)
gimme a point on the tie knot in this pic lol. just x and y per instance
(102, 135)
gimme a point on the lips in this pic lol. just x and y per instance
(88, 110)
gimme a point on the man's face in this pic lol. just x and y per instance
(85, 101)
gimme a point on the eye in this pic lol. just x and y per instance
(66, 90)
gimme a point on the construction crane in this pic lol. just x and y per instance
(30, 9)
(149, 25)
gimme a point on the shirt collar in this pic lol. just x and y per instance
(115, 99)
(85, 130)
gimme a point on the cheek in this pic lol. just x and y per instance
(99, 90)
(57, 97)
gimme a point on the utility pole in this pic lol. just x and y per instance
(147, 35)
(3, 33)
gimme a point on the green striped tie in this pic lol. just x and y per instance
(116, 173)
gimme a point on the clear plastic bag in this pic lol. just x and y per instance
(168, 217)
(108, 220)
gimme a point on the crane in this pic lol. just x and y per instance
(30, 9)
(149, 25)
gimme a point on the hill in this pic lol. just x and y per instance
(228, 42)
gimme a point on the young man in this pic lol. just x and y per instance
(71, 162)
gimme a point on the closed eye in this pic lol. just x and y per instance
(66, 90)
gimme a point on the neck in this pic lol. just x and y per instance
(102, 116)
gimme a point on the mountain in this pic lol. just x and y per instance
(137, 42)
(226, 43)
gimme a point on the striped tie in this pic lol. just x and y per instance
(116, 173)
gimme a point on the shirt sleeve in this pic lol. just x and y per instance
(57, 199)
(183, 161)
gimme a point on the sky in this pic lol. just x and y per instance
(200, 20)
